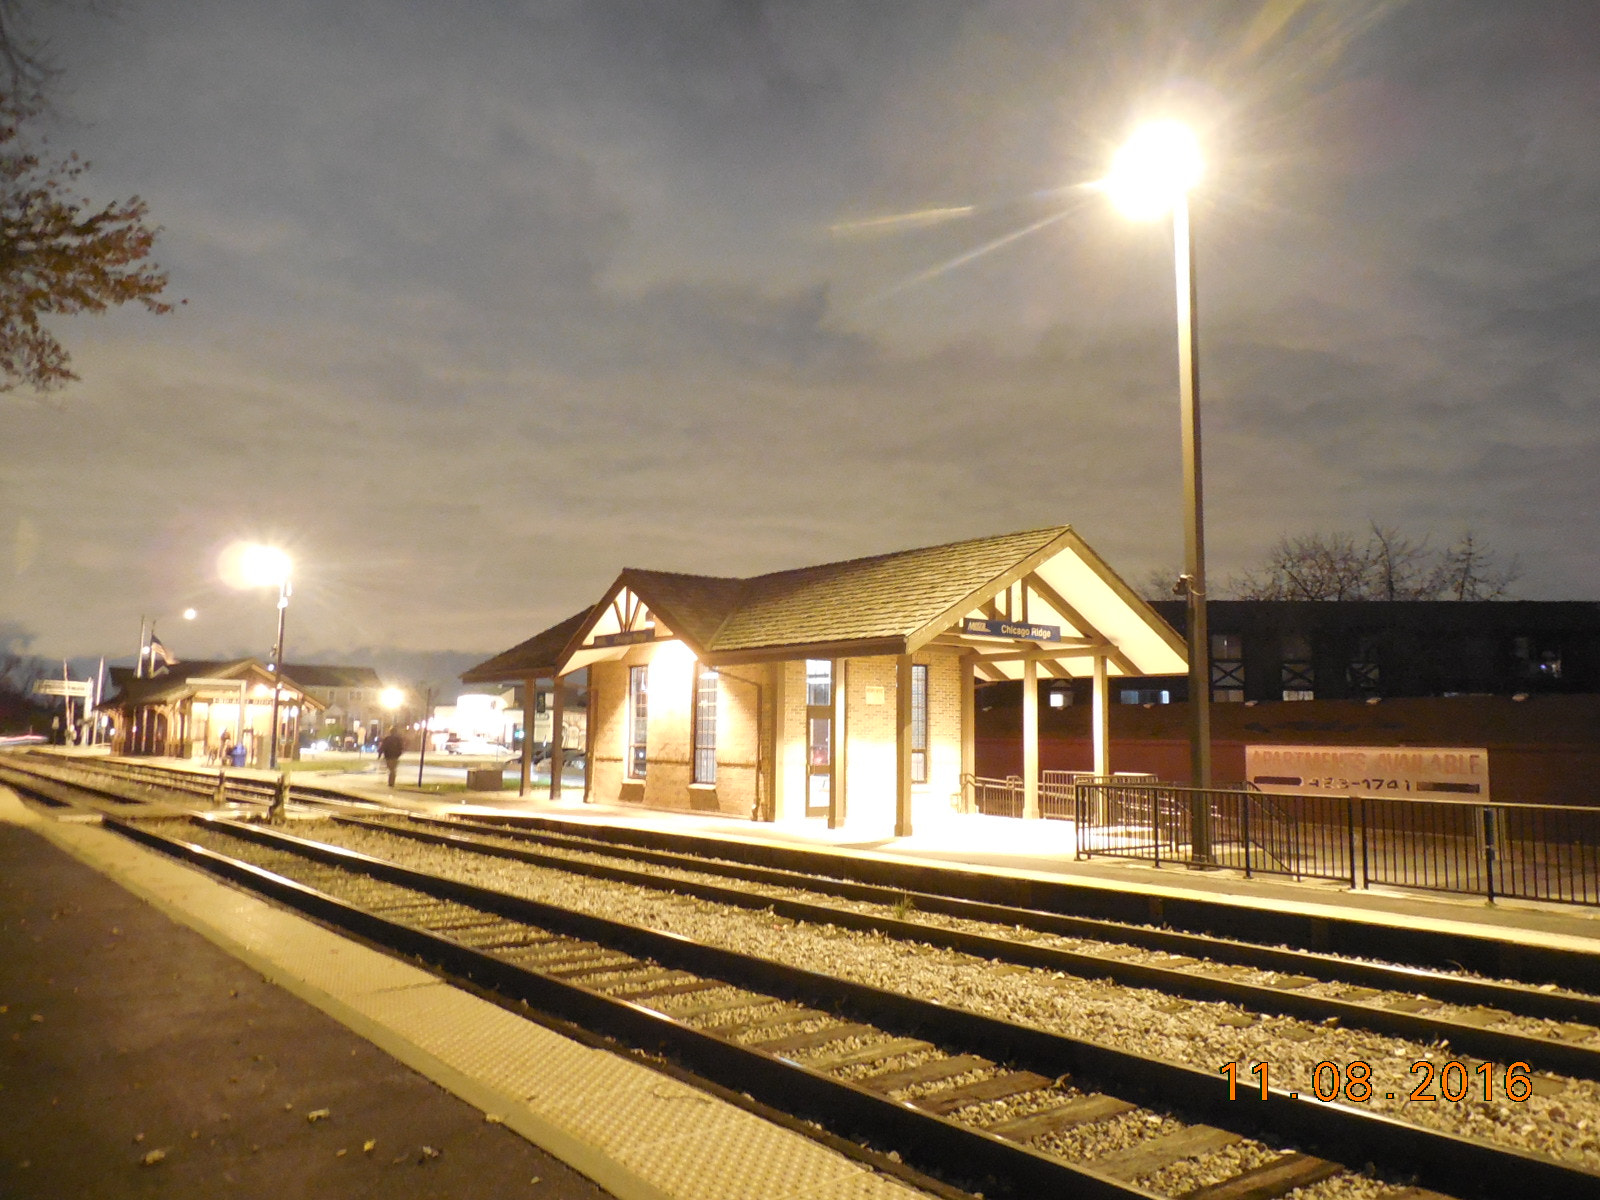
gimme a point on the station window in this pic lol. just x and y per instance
(919, 723)
(705, 726)
(638, 720)
(819, 682)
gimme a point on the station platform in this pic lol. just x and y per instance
(165, 1035)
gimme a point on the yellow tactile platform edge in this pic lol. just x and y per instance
(640, 1135)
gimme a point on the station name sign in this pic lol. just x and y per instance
(1428, 772)
(628, 637)
(1022, 630)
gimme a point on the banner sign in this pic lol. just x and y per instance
(1015, 630)
(1416, 772)
(63, 687)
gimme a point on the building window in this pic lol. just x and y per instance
(1363, 674)
(919, 723)
(638, 720)
(1227, 667)
(819, 682)
(1299, 679)
(705, 726)
(1144, 696)
(1535, 659)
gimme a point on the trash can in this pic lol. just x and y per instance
(485, 779)
(237, 754)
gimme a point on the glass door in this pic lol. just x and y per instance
(819, 736)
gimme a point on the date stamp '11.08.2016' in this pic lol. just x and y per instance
(1431, 1082)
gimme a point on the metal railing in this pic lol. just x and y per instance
(1526, 851)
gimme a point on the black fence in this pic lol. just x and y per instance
(1526, 851)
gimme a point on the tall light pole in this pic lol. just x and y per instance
(267, 566)
(1150, 176)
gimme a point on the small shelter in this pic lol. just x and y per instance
(839, 691)
(186, 709)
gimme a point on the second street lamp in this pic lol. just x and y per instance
(1151, 176)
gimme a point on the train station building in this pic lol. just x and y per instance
(192, 709)
(843, 692)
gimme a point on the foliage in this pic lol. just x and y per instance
(20, 711)
(1386, 565)
(59, 254)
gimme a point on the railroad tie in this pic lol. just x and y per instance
(1080, 1110)
(938, 1068)
(1140, 1160)
(1271, 1179)
(997, 1087)
(796, 1042)
(856, 1055)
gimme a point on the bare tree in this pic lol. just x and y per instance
(1309, 566)
(1467, 571)
(1386, 566)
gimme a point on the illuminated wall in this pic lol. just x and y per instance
(668, 781)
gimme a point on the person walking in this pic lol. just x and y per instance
(389, 750)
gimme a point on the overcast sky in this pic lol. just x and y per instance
(488, 300)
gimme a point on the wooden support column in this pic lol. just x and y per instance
(558, 735)
(902, 746)
(588, 746)
(530, 694)
(1030, 738)
(969, 729)
(1101, 718)
(777, 746)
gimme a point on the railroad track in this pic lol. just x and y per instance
(1473, 1016)
(1008, 1090)
(988, 1104)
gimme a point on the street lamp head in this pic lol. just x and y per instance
(391, 698)
(189, 614)
(252, 565)
(1154, 169)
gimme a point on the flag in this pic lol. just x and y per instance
(159, 653)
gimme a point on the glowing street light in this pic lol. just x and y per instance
(1151, 176)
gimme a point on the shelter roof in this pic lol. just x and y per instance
(179, 680)
(882, 604)
(539, 655)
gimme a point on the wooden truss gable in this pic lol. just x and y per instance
(1061, 609)
(621, 621)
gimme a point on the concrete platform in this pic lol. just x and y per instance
(162, 1034)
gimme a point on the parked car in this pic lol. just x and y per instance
(481, 747)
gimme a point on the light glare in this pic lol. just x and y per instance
(1156, 166)
(250, 564)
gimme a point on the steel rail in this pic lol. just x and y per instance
(1462, 1166)
(1496, 1045)
(1524, 999)
(925, 1141)
(1334, 934)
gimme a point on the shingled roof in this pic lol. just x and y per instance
(539, 655)
(885, 603)
(884, 596)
